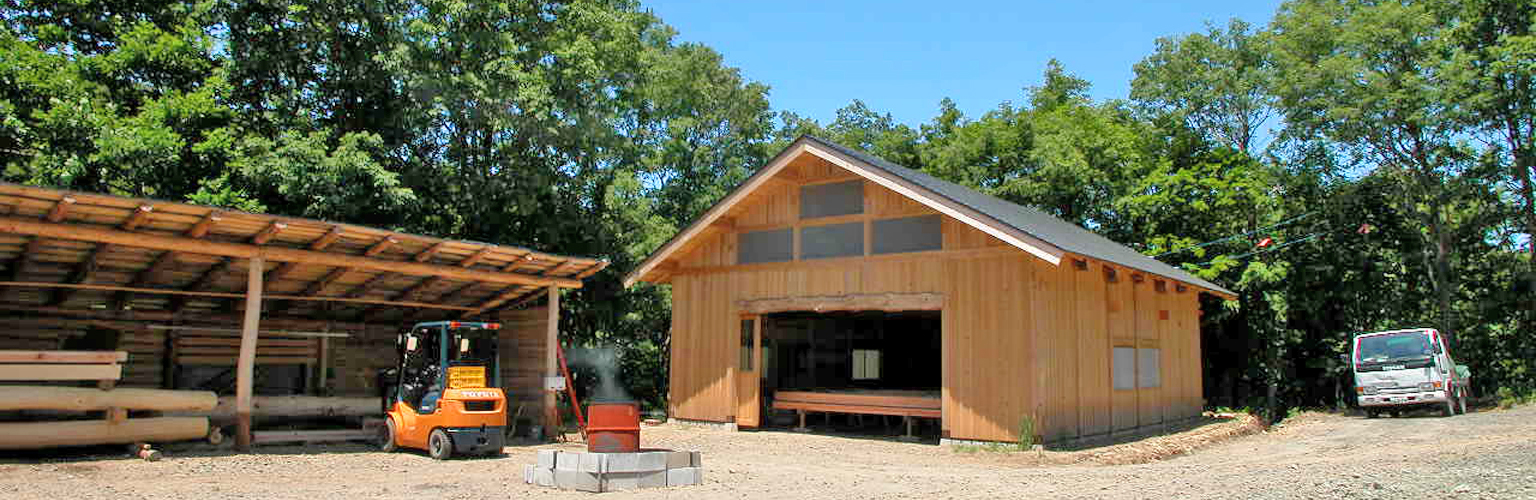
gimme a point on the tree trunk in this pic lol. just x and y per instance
(1525, 162)
(1444, 283)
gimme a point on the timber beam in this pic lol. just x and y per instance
(60, 209)
(507, 295)
(81, 232)
(167, 258)
(92, 262)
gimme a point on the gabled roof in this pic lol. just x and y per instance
(1028, 229)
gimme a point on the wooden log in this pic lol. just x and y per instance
(296, 407)
(270, 437)
(35, 435)
(28, 397)
(245, 367)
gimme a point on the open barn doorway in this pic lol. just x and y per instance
(865, 372)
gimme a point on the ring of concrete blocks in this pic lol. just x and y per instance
(599, 472)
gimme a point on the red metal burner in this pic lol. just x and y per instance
(613, 427)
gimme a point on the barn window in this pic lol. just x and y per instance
(1125, 368)
(833, 240)
(765, 246)
(826, 200)
(909, 234)
(866, 364)
(1148, 366)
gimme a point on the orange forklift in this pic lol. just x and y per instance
(446, 396)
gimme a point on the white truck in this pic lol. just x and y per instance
(1400, 370)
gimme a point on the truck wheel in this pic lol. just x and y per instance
(439, 446)
(386, 437)
(1372, 414)
(1396, 414)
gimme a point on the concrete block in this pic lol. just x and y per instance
(686, 476)
(679, 459)
(656, 479)
(547, 459)
(578, 480)
(596, 463)
(544, 477)
(620, 481)
(696, 458)
(568, 461)
(651, 461)
(528, 473)
(623, 462)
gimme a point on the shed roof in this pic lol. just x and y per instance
(1029, 229)
(81, 251)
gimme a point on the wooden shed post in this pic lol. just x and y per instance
(552, 342)
(245, 369)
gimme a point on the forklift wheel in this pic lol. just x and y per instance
(386, 437)
(439, 445)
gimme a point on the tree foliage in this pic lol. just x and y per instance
(1386, 148)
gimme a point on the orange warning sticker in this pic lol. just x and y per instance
(460, 377)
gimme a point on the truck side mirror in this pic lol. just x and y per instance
(1344, 358)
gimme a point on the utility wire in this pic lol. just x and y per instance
(1236, 236)
(1311, 237)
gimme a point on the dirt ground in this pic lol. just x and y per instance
(1489, 454)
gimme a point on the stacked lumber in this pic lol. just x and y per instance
(116, 428)
(223, 349)
(146, 358)
(102, 366)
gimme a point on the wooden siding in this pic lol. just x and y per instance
(523, 345)
(1021, 337)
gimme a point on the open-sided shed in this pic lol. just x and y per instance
(835, 281)
(181, 286)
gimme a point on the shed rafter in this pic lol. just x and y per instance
(92, 262)
(82, 249)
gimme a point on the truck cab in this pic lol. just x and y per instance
(1401, 370)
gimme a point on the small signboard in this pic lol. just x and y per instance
(461, 377)
(554, 383)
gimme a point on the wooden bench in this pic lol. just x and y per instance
(905, 404)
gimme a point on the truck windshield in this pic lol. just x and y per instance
(1405, 345)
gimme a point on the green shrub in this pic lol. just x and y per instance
(1510, 398)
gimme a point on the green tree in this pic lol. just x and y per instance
(1366, 75)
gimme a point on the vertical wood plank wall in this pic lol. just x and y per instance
(1021, 337)
(523, 346)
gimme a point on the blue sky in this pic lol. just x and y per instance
(902, 56)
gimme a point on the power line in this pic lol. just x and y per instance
(1236, 236)
(1310, 237)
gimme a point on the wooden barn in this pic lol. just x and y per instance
(834, 281)
(255, 305)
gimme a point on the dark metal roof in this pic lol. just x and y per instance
(1065, 235)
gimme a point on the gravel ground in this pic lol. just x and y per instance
(1480, 455)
